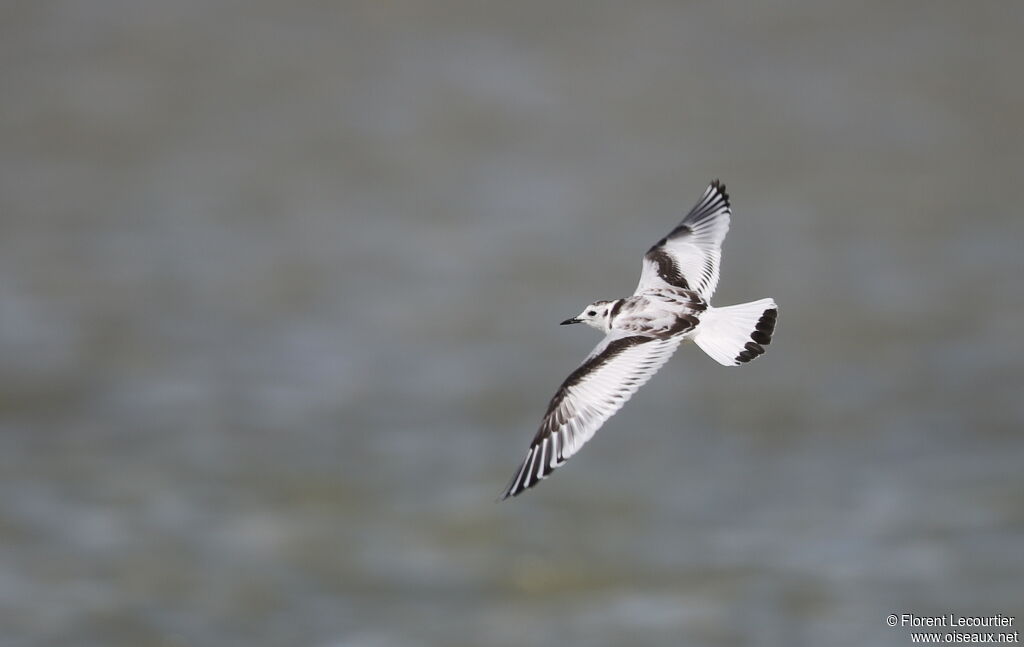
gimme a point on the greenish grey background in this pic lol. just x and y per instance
(279, 293)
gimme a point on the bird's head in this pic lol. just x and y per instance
(596, 315)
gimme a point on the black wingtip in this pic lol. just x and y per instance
(719, 186)
(511, 491)
(515, 486)
(505, 494)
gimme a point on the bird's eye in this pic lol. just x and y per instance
(591, 313)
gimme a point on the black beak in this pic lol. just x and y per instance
(570, 321)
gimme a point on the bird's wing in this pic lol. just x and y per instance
(610, 375)
(688, 257)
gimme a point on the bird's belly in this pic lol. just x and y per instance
(656, 323)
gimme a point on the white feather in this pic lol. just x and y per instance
(695, 246)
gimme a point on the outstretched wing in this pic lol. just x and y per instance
(610, 375)
(688, 257)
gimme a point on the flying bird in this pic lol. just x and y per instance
(671, 305)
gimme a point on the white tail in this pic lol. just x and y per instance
(737, 334)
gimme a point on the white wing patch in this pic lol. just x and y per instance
(689, 256)
(610, 375)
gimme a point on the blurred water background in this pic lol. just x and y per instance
(279, 294)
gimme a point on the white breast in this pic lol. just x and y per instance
(659, 312)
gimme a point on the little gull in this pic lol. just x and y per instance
(670, 306)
